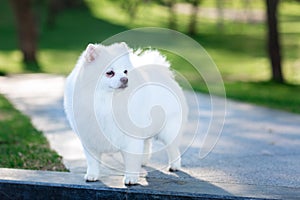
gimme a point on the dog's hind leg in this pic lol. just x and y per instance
(172, 151)
(174, 157)
(147, 151)
(171, 142)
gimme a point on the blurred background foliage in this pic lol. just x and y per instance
(234, 33)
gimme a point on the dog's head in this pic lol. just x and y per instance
(115, 61)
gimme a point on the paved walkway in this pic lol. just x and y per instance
(257, 155)
(247, 14)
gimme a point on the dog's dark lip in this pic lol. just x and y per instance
(123, 86)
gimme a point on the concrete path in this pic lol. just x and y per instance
(247, 14)
(257, 155)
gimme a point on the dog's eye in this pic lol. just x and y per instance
(125, 72)
(110, 74)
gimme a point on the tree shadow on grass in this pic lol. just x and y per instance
(76, 28)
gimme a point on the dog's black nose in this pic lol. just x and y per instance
(124, 80)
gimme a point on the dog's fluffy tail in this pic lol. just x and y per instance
(149, 57)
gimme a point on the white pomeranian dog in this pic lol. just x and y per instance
(117, 132)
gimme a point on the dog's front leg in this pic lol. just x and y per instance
(93, 167)
(133, 156)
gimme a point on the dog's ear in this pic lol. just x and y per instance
(90, 53)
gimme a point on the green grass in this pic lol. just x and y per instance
(269, 94)
(273, 95)
(238, 49)
(21, 145)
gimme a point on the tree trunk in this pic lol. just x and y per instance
(172, 13)
(220, 11)
(27, 30)
(273, 40)
(193, 19)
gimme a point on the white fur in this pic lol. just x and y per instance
(131, 148)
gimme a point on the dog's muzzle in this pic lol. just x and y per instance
(124, 81)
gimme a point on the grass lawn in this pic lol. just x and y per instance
(21, 145)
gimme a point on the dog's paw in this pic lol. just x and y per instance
(171, 169)
(175, 166)
(90, 178)
(130, 180)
